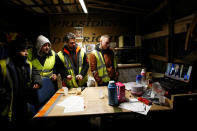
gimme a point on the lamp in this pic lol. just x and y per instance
(83, 6)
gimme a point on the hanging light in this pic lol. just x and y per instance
(83, 6)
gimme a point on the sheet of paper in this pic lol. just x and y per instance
(135, 106)
(72, 104)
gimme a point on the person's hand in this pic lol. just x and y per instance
(36, 86)
(69, 77)
(54, 77)
(79, 77)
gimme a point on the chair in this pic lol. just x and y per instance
(42, 95)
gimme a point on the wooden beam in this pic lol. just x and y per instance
(116, 5)
(180, 27)
(191, 57)
(61, 2)
(120, 66)
(54, 4)
(27, 2)
(23, 5)
(113, 9)
(171, 25)
(38, 4)
(158, 8)
(76, 6)
(165, 59)
(159, 58)
(57, 7)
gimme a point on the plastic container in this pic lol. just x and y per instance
(137, 89)
(138, 79)
(120, 92)
(65, 90)
(158, 92)
(143, 79)
(112, 94)
(143, 74)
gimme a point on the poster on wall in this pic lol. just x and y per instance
(89, 48)
(79, 32)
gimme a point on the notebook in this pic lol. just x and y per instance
(177, 77)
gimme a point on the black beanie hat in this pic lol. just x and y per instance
(18, 44)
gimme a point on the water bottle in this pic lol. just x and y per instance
(143, 74)
(138, 79)
(112, 94)
(143, 79)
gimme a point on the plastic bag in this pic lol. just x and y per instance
(91, 81)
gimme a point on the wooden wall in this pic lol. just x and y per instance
(93, 27)
(157, 47)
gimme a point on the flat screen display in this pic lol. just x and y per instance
(179, 71)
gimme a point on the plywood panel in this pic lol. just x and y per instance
(93, 27)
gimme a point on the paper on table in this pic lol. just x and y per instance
(135, 106)
(72, 104)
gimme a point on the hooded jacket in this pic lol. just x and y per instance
(108, 56)
(34, 54)
(41, 40)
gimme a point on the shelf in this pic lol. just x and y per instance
(127, 48)
(129, 65)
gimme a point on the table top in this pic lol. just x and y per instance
(93, 104)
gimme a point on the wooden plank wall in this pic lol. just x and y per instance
(93, 27)
(156, 44)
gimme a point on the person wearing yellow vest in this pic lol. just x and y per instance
(17, 79)
(103, 62)
(43, 58)
(75, 62)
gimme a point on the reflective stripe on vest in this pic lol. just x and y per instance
(3, 68)
(68, 65)
(47, 69)
(7, 111)
(30, 73)
(85, 78)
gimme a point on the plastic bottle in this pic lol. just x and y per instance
(138, 79)
(112, 94)
(143, 74)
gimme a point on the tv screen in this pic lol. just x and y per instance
(179, 71)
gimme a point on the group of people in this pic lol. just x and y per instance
(22, 71)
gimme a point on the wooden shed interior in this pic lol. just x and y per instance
(162, 25)
(146, 32)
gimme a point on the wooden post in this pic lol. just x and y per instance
(171, 47)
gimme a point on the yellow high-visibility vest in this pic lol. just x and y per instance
(47, 69)
(68, 65)
(101, 67)
(7, 111)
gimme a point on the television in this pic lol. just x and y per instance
(179, 71)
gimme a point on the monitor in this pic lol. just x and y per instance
(179, 71)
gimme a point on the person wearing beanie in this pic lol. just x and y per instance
(17, 80)
(43, 58)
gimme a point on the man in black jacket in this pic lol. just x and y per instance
(17, 79)
(75, 62)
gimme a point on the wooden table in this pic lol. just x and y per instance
(93, 104)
